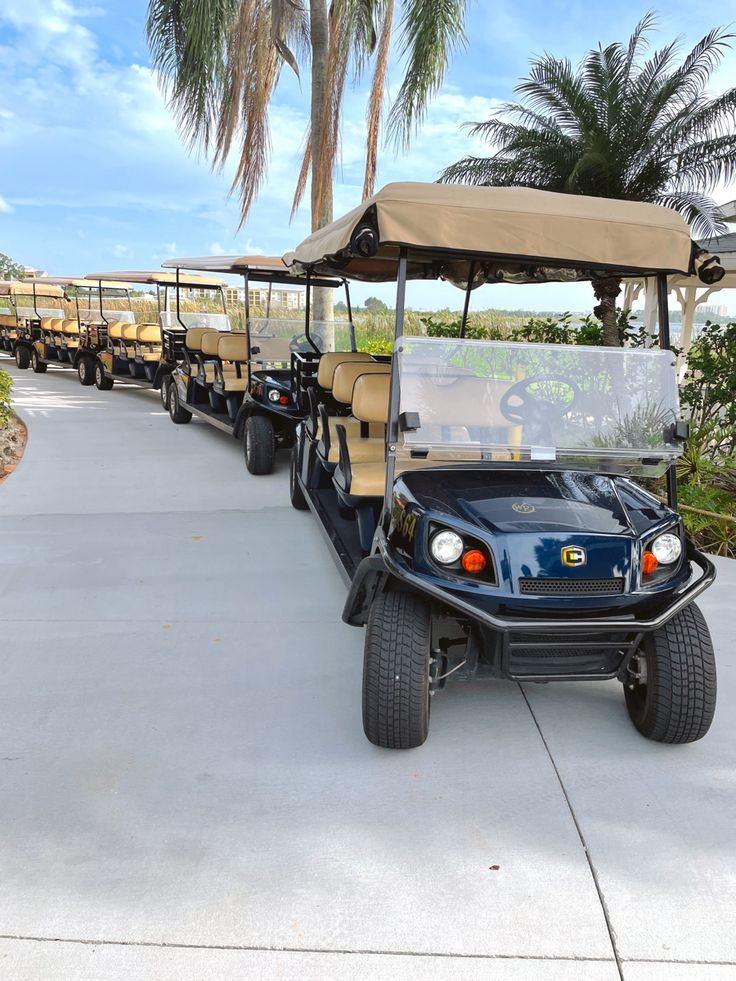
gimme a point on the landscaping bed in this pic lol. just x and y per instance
(13, 434)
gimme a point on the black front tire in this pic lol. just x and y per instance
(103, 383)
(177, 412)
(396, 667)
(298, 500)
(677, 702)
(86, 371)
(22, 356)
(37, 364)
(259, 445)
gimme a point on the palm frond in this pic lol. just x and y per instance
(431, 30)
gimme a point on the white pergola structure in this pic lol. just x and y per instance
(688, 290)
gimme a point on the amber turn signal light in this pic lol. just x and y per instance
(648, 563)
(284, 400)
(474, 561)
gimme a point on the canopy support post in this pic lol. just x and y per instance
(665, 345)
(351, 325)
(464, 321)
(392, 430)
(268, 301)
(246, 311)
(307, 318)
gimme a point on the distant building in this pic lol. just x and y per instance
(29, 272)
(258, 297)
(713, 310)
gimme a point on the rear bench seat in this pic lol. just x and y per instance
(70, 333)
(148, 342)
(328, 364)
(367, 442)
(233, 348)
(193, 344)
(370, 404)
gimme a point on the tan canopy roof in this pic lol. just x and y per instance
(66, 281)
(45, 286)
(509, 233)
(155, 278)
(259, 267)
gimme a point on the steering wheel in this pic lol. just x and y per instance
(299, 342)
(538, 402)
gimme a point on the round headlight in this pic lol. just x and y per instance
(666, 548)
(446, 547)
(274, 395)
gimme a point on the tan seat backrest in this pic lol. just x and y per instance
(329, 361)
(209, 342)
(233, 347)
(370, 398)
(129, 332)
(194, 337)
(69, 327)
(347, 374)
(50, 323)
(459, 403)
(148, 334)
(115, 329)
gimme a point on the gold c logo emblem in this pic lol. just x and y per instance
(573, 555)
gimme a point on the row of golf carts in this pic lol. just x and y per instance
(492, 506)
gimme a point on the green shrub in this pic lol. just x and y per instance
(6, 391)
(708, 394)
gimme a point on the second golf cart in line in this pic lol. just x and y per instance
(257, 385)
(483, 499)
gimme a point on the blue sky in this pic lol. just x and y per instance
(94, 176)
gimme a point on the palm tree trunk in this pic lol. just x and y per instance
(321, 192)
(606, 289)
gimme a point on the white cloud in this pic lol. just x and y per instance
(217, 249)
(120, 251)
(5, 208)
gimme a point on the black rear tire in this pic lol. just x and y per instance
(259, 445)
(177, 412)
(22, 356)
(37, 364)
(396, 666)
(678, 700)
(103, 383)
(298, 500)
(164, 393)
(86, 371)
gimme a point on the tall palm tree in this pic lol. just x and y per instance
(220, 62)
(617, 126)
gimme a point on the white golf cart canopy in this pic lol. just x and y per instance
(496, 234)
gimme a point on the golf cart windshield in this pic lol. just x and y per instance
(46, 306)
(611, 409)
(273, 340)
(192, 318)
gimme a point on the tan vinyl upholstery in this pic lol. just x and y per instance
(208, 343)
(235, 384)
(195, 335)
(129, 333)
(50, 324)
(329, 362)
(233, 347)
(70, 328)
(347, 373)
(362, 447)
(148, 334)
(370, 398)
(370, 404)
(115, 329)
(460, 401)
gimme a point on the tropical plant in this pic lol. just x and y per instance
(6, 391)
(9, 268)
(220, 63)
(708, 394)
(618, 126)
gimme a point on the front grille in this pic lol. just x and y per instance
(542, 586)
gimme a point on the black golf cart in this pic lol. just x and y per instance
(259, 383)
(117, 344)
(37, 337)
(498, 525)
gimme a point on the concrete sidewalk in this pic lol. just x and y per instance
(186, 792)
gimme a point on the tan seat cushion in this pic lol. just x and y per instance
(329, 362)
(148, 334)
(235, 384)
(151, 355)
(70, 327)
(370, 398)
(233, 347)
(128, 333)
(347, 374)
(115, 329)
(209, 343)
(195, 335)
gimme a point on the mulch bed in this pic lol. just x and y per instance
(13, 439)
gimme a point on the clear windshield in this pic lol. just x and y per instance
(595, 408)
(46, 306)
(275, 339)
(190, 318)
